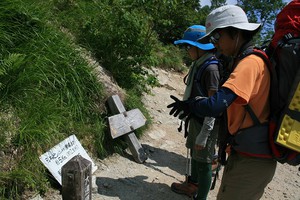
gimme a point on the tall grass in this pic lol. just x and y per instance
(47, 92)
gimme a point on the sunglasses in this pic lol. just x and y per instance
(214, 38)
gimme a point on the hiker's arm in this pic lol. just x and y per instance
(214, 105)
(202, 106)
(207, 127)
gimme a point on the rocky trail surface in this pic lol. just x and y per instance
(121, 178)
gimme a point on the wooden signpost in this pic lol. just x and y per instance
(72, 167)
(77, 179)
(124, 123)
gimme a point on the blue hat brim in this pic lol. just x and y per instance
(208, 46)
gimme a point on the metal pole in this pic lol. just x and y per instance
(188, 165)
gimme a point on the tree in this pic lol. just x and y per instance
(170, 18)
(264, 12)
(217, 3)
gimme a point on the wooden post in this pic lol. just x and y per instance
(138, 153)
(77, 179)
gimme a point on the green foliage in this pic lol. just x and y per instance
(169, 18)
(8, 127)
(217, 3)
(119, 37)
(123, 34)
(18, 180)
(10, 69)
(264, 12)
(47, 92)
(170, 57)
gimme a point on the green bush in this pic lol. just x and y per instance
(125, 36)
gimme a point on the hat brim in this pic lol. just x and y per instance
(241, 26)
(207, 46)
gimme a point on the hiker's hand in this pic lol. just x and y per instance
(228, 149)
(179, 107)
(199, 147)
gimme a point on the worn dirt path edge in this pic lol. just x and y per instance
(120, 177)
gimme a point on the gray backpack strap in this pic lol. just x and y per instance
(253, 140)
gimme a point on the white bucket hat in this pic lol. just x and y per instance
(228, 16)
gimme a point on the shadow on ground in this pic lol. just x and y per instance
(141, 187)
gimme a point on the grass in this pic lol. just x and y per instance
(48, 91)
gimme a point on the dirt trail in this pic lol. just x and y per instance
(122, 178)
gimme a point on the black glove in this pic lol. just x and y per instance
(178, 107)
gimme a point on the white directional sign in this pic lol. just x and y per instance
(60, 154)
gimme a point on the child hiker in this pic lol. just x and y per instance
(202, 80)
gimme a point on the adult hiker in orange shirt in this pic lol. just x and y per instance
(250, 166)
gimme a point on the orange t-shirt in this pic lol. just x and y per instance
(250, 81)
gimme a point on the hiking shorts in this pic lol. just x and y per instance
(205, 155)
(245, 177)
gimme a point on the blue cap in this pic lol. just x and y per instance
(192, 34)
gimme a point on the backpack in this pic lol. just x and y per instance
(200, 73)
(282, 57)
(198, 76)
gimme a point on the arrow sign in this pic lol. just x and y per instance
(126, 122)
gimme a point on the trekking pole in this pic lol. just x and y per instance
(188, 165)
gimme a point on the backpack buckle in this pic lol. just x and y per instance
(285, 39)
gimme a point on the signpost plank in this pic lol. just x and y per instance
(126, 122)
(116, 107)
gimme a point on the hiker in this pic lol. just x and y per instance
(250, 166)
(201, 80)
